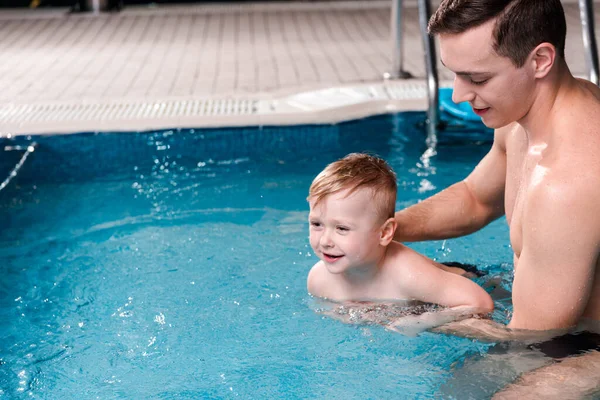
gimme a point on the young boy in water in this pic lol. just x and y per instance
(352, 205)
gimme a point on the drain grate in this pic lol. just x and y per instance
(406, 91)
(410, 90)
(265, 7)
(329, 105)
(40, 113)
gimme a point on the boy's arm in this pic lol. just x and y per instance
(430, 284)
(426, 282)
(464, 207)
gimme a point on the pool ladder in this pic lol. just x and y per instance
(586, 14)
(30, 148)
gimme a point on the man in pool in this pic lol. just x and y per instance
(352, 203)
(542, 171)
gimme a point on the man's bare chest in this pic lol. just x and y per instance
(523, 173)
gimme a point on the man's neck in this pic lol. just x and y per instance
(549, 96)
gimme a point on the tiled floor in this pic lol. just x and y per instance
(52, 58)
(209, 50)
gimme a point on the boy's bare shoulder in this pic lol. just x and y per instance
(405, 262)
(318, 280)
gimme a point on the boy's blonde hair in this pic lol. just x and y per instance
(358, 171)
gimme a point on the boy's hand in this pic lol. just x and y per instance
(412, 325)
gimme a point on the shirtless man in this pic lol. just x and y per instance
(542, 172)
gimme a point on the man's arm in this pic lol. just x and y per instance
(486, 330)
(556, 268)
(464, 207)
(572, 378)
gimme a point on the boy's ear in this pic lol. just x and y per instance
(543, 59)
(387, 231)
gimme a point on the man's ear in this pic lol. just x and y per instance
(543, 57)
(387, 231)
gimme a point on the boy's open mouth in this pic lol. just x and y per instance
(331, 257)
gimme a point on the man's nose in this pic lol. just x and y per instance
(461, 92)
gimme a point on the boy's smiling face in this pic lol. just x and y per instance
(346, 231)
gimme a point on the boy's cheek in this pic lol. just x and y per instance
(313, 240)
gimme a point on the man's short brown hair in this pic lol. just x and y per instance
(521, 25)
(358, 171)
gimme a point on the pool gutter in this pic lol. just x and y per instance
(321, 106)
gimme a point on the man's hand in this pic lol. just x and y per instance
(486, 330)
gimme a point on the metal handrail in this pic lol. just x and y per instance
(586, 13)
(433, 111)
(433, 118)
(397, 24)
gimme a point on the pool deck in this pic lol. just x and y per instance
(212, 64)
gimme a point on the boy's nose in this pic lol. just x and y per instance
(326, 240)
(461, 92)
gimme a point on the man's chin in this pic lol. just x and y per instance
(492, 124)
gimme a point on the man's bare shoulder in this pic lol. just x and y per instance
(502, 136)
(571, 154)
(590, 89)
(579, 111)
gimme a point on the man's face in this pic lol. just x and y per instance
(499, 92)
(345, 231)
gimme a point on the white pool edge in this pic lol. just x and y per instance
(322, 106)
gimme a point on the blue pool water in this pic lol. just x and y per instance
(172, 265)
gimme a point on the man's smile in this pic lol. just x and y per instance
(480, 111)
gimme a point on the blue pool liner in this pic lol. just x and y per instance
(458, 110)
